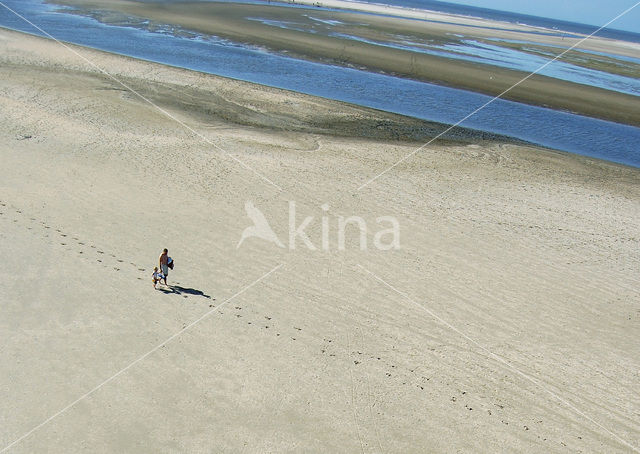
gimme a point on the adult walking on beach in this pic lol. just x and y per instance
(164, 264)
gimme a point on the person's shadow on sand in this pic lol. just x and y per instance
(179, 290)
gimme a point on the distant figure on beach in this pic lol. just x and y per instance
(156, 276)
(164, 264)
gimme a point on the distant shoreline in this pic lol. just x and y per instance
(510, 17)
(230, 21)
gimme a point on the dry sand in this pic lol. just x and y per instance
(307, 39)
(533, 254)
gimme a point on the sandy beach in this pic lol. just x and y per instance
(508, 321)
(297, 32)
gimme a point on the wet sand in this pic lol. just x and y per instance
(245, 23)
(531, 253)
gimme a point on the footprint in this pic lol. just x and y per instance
(141, 269)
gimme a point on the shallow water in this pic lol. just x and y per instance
(478, 52)
(169, 45)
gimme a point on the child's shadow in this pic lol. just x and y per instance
(179, 290)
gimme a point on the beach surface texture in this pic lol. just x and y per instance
(507, 321)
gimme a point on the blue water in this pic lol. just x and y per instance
(554, 129)
(480, 52)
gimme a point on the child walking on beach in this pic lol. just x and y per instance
(156, 276)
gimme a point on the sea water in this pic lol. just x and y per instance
(170, 45)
